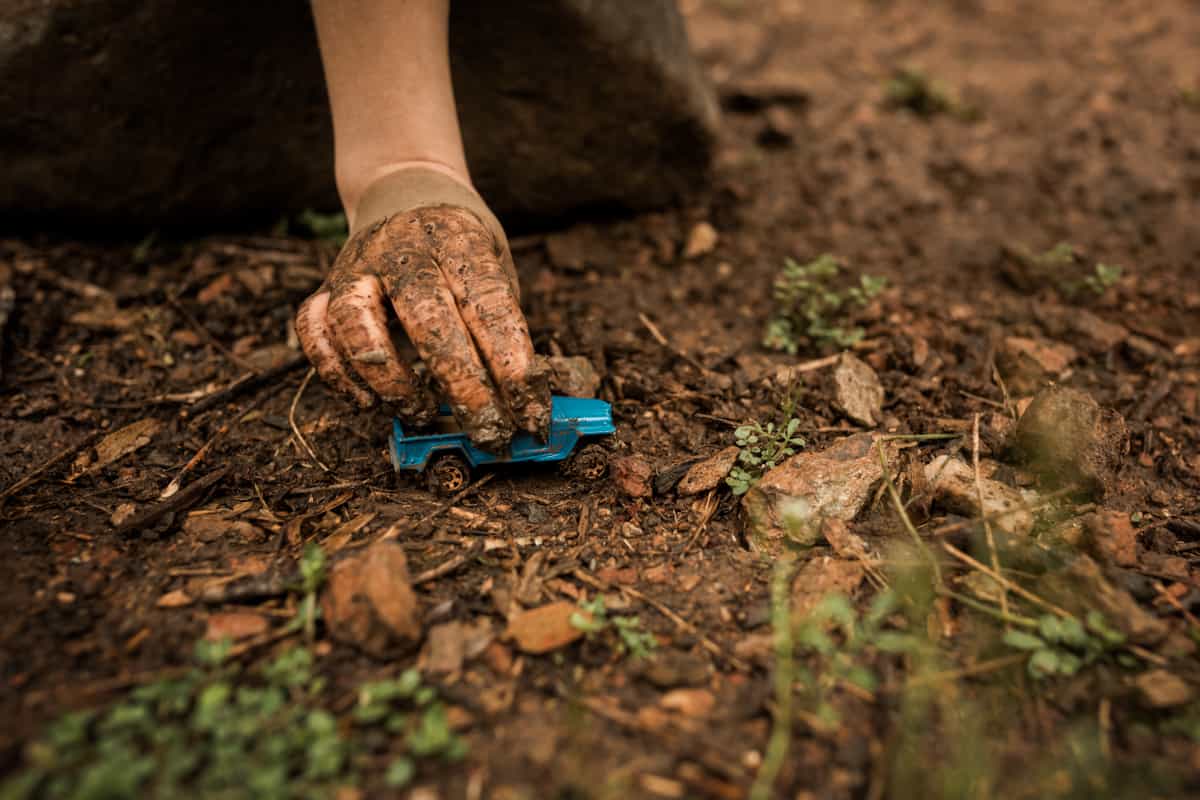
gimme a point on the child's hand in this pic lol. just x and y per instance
(452, 285)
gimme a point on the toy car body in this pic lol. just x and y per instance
(450, 455)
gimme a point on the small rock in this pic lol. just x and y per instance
(123, 512)
(689, 702)
(709, 473)
(1110, 537)
(632, 475)
(821, 577)
(1067, 438)
(700, 241)
(573, 376)
(369, 602)
(845, 543)
(545, 629)
(834, 482)
(1167, 566)
(859, 394)
(670, 668)
(445, 649)
(175, 599)
(1161, 689)
(235, 625)
(780, 127)
(954, 489)
(1027, 364)
(211, 527)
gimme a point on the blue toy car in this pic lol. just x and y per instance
(447, 456)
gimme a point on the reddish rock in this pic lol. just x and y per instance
(1110, 537)
(632, 474)
(790, 501)
(369, 602)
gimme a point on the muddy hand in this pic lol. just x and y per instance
(450, 281)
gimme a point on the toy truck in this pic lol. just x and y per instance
(447, 457)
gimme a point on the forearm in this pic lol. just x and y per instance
(387, 69)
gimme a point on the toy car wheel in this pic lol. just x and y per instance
(590, 463)
(448, 473)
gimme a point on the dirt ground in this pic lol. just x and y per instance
(1065, 121)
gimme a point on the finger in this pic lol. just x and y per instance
(357, 316)
(473, 263)
(430, 317)
(312, 328)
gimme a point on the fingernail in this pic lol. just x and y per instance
(489, 429)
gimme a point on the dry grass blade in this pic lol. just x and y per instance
(1015, 588)
(292, 420)
(987, 525)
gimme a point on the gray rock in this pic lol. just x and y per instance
(790, 502)
(859, 392)
(1068, 439)
(136, 113)
(573, 376)
(954, 489)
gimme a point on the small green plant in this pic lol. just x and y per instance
(1064, 645)
(809, 304)
(1065, 268)
(762, 448)
(403, 707)
(326, 227)
(218, 732)
(312, 577)
(631, 638)
(203, 734)
(839, 638)
(914, 90)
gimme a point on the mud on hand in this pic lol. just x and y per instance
(451, 285)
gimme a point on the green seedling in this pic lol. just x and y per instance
(810, 305)
(914, 90)
(839, 639)
(1064, 267)
(312, 577)
(762, 448)
(1064, 645)
(631, 638)
(218, 732)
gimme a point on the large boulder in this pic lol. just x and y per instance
(138, 113)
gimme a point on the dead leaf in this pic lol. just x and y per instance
(689, 702)
(235, 625)
(175, 599)
(702, 240)
(119, 444)
(542, 630)
(1162, 689)
(708, 473)
(342, 535)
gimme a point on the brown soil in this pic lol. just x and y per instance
(1085, 130)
